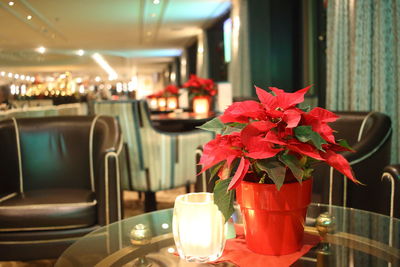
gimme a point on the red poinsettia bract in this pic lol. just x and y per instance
(171, 89)
(271, 130)
(200, 86)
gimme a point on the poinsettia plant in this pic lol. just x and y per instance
(271, 141)
(171, 90)
(200, 87)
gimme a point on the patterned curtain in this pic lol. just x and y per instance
(363, 71)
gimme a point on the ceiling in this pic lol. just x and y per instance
(134, 36)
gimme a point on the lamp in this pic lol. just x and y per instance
(162, 103)
(153, 103)
(172, 102)
(201, 104)
(198, 228)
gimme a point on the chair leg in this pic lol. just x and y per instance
(150, 203)
(188, 188)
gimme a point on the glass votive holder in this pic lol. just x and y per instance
(198, 228)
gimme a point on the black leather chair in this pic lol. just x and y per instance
(369, 133)
(59, 179)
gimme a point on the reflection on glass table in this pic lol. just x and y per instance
(350, 238)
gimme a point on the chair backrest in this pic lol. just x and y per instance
(369, 133)
(54, 152)
(157, 160)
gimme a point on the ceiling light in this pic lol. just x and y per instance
(80, 52)
(112, 75)
(2, 73)
(11, 3)
(97, 79)
(29, 17)
(32, 79)
(27, 78)
(78, 80)
(22, 77)
(156, 2)
(41, 50)
(16, 76)
(10, 75)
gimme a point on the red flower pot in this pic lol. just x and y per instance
(274, 220)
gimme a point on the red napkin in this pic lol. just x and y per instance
(237, 252)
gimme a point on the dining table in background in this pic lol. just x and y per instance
(180, 121)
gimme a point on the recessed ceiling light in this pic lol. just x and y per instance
(97, 79)
(11, 3)
(80, 52)
(2, 73)
(41, 50)
(156, 2)
(29, 17)
(10, 75)
(16, 76)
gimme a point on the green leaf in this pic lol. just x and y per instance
(229, 130)
(308, 172)
(344, 144)
(214, 125)
(276, 171)
(214, 169)
(233, 127)
(237, 125)
(306, 109)
(224, 198)
(294, 165)
(305, 134)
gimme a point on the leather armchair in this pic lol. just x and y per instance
(59, 179)
(370, 136)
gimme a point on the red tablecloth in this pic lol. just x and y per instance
(237, 252)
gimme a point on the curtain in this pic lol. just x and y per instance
(363, 60)
(239, 67)
(202, 55)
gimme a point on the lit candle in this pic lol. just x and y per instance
(172, 103)
(162, 103)
(201, 105)
(153, 103)
(198, 227)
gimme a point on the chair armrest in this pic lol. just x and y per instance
(393, 170)
(376, 138)
(391, 175)
(107, 175)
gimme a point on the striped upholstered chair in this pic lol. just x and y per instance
(157, 160)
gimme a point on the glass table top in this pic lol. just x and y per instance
(351, 238)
